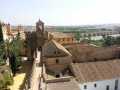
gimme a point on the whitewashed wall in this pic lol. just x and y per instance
(101, 85)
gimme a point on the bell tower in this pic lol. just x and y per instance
(40, 26)
(40, 34)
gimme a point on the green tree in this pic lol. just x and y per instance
(77, 36)
(13, 50)
(117, 40)
(108, 40)
(1, 34)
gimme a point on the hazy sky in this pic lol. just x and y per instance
(60, 12)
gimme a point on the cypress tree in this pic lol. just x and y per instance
(1, 34)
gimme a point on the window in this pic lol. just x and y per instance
(57, 61)
(85, 86)
(116, 84)
(107, 87)
(55, 52)
(57, 76)
(95, 59)
(95, 85)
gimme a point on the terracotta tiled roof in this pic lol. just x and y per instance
(95, 71)
(51, 46)
(88, 53)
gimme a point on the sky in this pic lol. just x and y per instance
(60, 12)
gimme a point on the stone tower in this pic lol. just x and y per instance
(40, 26)
(40, 34)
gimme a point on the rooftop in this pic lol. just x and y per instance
(88, 52)
(52, 46)
(94, 71)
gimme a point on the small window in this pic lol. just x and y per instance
(95, 85)
(107, 87)
(85, 86)
(95, 59)
(116, 84)
(57, 61)
(55, 52)
(57, 76)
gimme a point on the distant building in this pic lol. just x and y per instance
(19, 29)
(6, 29)
(97, 35)
(10, 33)
(62, 38)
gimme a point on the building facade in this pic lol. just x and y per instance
(100, 75)
(56, 57)
(113, 84)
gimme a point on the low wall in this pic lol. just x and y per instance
(62, 79)
(53, 80)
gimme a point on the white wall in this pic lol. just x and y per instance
(101, 85)
(96, 37)
(101, 37)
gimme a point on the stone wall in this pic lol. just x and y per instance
(59, 65)
(83, 53)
